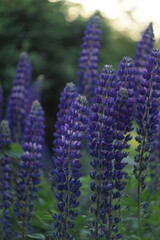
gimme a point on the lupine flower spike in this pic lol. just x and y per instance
(100, 133)
(147, 121)
(29, 169)
(5, 182)
(88, 62)
(155, 162)
(67, 167)
(110, 123)
(67, 97)
(143, 51)
(17, 105)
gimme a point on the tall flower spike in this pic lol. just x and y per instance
(67, 167)
(29, 169)
(143, 51)
(67, 97)
(108, 136)
(5, 182)
(147, 121)
(18, 106)
(155, 162)
(1, 102)
(100, 132)
(88, 62)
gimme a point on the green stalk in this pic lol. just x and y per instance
(120, 218)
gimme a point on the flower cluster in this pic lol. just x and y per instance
(105, 122)
(17, 105)
(143, 51)
(147, 116)
(29, 168)
(67, 97)
(67, 166)
(88, 62)
(154, 161)
(5, 181)
(110, 121)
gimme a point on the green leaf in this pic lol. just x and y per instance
(37, 236)
(14, 150)
(128, 202)
(15, 147)
(145, 195)
(155, 196)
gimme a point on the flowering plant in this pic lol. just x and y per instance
(100, 120)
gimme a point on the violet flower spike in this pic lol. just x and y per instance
(155, 162)
(101, 135)
(17, 108)
(110, 123)
(29, 168)
(147, 120)
(5, 182)
(66, 99)
(67, 167)
(88, 62)
(143, 51)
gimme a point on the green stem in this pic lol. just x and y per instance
(139, 210)
(120, 219)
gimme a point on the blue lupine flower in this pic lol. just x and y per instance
(88, 62)
(1, 102)
(147, 116)
(17, 105)
(29, 169)
(155, 162)
(110, 121)
(5, 181)
(67, 97)
(67, 167)
(100, 134)
(143, 51)
(147, 120)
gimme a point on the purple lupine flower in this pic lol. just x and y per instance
(67, 167)
(155, 162)
(5, 181)
(88, 62)
(29, 169)
(100, 137)
(147, 116)
(67, 97)
(17, 105)
(1, 102)
(110, 122)
(143, 51)
(147, 120)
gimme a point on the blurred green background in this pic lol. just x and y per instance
(53, 41)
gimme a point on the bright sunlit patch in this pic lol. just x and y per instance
(132, 16)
